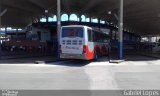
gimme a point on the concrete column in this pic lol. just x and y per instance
(58, 24)
(90, 19)
(111, 32)
(0, 12)
(80, 19)
(38, 19)
(17, 34)
(47, 19)
(120, 41)
(156, 39)
(69, 17)
(0, 27)
(5, 32)
(99, 23)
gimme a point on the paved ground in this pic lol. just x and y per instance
(137, 72)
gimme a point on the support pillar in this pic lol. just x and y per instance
(0, 23)
(47, 19)
(5, 32)
(68, 17)
(17, 34)
(58, 24)
(90, 20)
(80, 19)
(120, 41)
(99, 23)
(111, 32)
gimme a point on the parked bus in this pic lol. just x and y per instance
(82, 42)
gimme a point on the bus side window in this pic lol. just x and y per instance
(90, 35)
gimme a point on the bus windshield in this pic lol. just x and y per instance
(72, 32)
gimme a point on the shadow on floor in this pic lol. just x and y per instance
(53, 60)
(135, 56)
(77, 63)
(140, 58)
(27, 60)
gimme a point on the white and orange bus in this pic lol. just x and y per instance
(82, 42)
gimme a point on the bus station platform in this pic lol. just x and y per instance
(137, 72)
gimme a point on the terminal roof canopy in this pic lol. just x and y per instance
(140, 16)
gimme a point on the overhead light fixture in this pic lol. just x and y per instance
(46, 11)
(109, 12)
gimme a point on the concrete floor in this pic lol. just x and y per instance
(137, 72)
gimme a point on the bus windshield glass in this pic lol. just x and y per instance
(72, 32)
